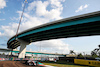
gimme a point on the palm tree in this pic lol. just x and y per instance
(72, 52)
(94, 53)
(99, 51)
(99, 46)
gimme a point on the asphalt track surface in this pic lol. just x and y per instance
(14, 64)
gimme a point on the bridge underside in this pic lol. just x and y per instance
(85, 29)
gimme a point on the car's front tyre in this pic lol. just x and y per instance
(30, 64)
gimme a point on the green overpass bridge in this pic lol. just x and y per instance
(31, 52)
(81, 25)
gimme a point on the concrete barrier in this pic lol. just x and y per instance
(20, 59)
(87, 62)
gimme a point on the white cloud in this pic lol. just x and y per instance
(56, 3)
(14, 18)
(2, 4)
(36, 14)
(27, 22)
(9, 31)
(82, 7)
(0, 33)
(41, 8)
(86, 6)
(53, 45)
(2, 19)
(30, 20)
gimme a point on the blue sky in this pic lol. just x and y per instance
(38, 12)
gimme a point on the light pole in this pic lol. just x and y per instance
(99, 50)
(84, 55)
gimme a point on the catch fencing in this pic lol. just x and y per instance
(22, 59)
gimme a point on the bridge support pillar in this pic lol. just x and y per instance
(22, 50)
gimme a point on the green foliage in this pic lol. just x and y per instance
(3, 53)
(80, 55)
(95, 52)
(63, 64)
(94, 56)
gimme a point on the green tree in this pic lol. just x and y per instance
(99, 50)
(72, 52)
(94, 53)
(3, 53)
(80, 55)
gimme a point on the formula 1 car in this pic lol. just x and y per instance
(31, 62)
(36, 63)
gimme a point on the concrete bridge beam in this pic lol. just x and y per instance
(22, 50)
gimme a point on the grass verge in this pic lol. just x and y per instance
(63, 64)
